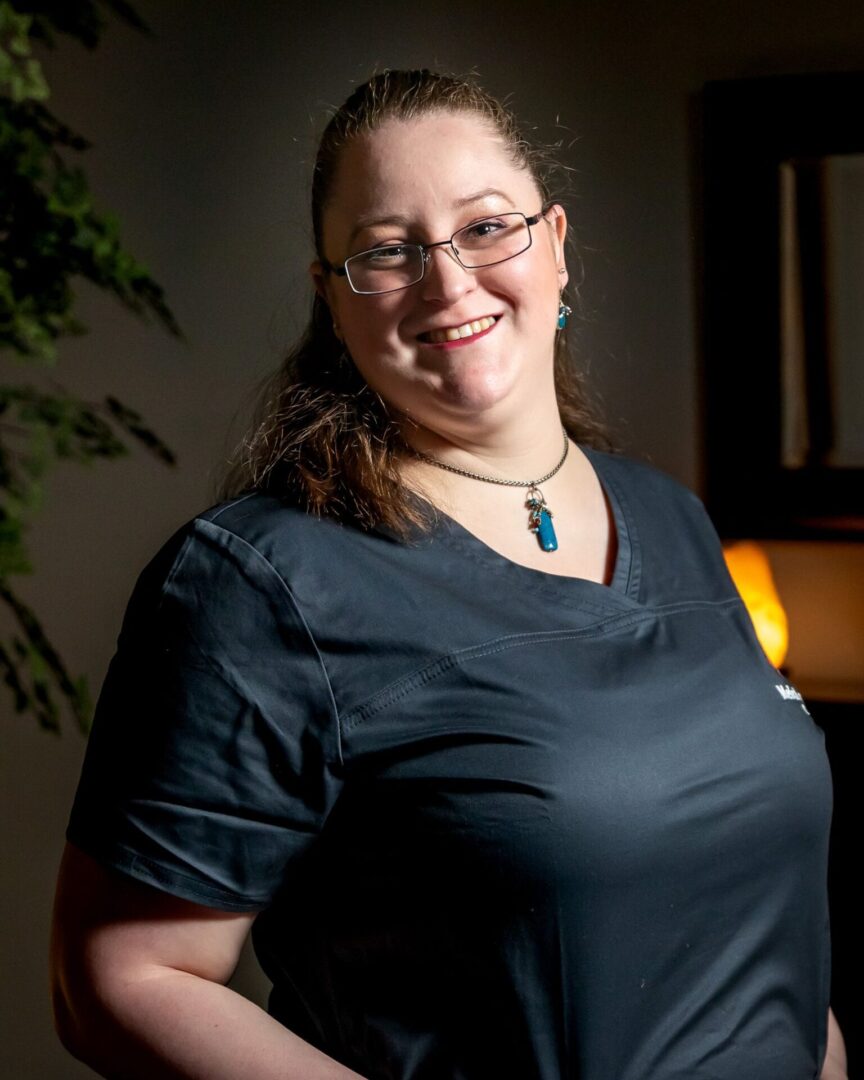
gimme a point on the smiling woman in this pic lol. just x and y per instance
(490, 268)
(409, 160)
(502, 797)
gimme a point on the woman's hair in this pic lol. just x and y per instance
(320, 434)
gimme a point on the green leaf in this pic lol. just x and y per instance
(44, 664)
(132, 422)
(52, 235)
(20, 75)
(12, 679)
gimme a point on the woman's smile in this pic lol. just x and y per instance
(452, 337)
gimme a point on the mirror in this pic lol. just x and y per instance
(821, 312)
(783, 306)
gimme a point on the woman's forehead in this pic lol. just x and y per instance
(437, 162)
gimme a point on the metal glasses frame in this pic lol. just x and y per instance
(424, 249)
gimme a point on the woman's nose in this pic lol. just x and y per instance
(446, 279)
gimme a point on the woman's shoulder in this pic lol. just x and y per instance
(278, 525)
(680, 548)
(247, 560)
(256, 535)
(641, 476)
(658, 499)
(255, 516)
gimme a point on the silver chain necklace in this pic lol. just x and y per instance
(539, 514)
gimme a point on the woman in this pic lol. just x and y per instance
(501, 777)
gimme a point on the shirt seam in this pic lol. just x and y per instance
(634, 568)
(205, 525)
(126, 860)
(405, 684)
(612, 598)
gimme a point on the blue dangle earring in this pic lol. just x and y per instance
(564, 310)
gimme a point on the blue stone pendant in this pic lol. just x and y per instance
(540, 520)
(546, 531)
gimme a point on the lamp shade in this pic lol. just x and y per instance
(748, 564)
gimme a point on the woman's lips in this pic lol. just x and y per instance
(455, 336)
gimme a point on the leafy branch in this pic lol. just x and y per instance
(51, 232)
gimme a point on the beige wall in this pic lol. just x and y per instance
(203, 140)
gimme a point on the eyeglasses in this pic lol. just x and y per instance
(398, 266)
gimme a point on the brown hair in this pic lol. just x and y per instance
(320, 433)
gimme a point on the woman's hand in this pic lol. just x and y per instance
(137, 982)
(835, 1065)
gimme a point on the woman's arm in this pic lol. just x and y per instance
(137, 984)
(835, 1065)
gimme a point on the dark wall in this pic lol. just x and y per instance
(203, 137)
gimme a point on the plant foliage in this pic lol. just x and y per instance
(51, 233)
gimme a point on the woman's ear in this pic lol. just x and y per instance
(557, 218)
(318, 275)
(319, 280)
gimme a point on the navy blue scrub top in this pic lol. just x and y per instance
(499, 823)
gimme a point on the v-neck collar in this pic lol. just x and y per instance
(622, 591)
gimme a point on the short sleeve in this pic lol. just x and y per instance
(214, 760)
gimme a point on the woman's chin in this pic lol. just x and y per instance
(474, 390)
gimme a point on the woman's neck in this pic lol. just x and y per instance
(525, 449)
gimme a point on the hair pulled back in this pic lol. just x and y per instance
(320, 434)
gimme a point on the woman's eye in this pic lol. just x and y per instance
(482, 229)
(382, 255)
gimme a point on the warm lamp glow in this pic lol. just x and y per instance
(751, 572)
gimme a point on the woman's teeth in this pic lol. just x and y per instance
(453, 333)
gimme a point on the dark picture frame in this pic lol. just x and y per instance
(749, 128)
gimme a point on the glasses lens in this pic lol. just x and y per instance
(385, 269)
(492, 240)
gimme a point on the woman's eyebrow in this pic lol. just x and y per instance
(371, 220)
(486, 193)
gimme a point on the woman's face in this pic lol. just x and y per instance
(420, 181)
